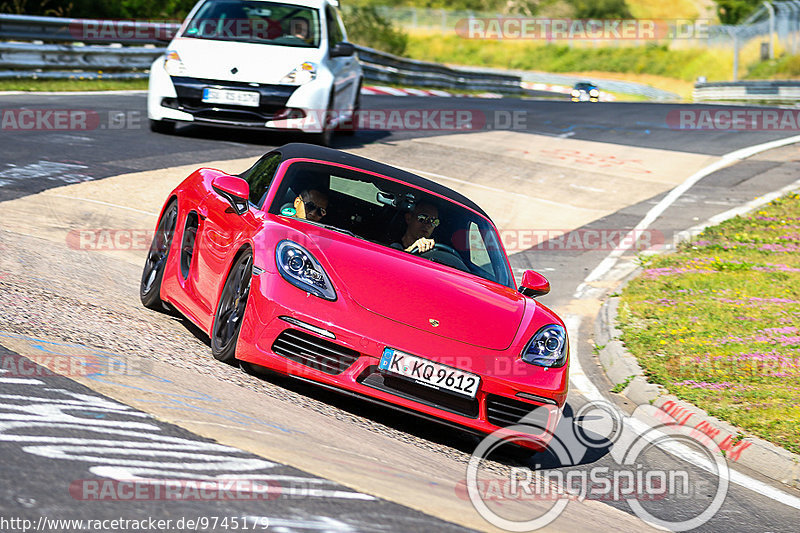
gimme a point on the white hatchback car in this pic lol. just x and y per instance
(282, 65)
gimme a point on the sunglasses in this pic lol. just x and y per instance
(426, 219)
(311, 207)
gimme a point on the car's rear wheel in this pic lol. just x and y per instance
(162, 126)
(153, 273)
(230, 310)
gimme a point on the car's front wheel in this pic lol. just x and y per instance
(153, 273)
(325, 137)
(230, 310)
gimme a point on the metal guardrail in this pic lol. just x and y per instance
(763, 91)
(97, 45)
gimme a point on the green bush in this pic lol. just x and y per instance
(601, 9)
(735, 11)
(121, 9)
(787, 66)
(365, 26)
(684, 64)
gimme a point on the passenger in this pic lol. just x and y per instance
(420, 224)
(311, 204)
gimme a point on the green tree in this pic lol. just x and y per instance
(601, 9)
(735, 11)
(365, 26)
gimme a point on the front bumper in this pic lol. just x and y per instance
(344, 352)
(189, 93)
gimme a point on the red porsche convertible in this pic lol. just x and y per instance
(303, 264)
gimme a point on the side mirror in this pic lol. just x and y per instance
(343, 49)
(233, 189)
(534, 284)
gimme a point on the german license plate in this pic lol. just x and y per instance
(430, 373)
(227, 96)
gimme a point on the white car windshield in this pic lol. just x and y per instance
(382, 210)
(256, 22)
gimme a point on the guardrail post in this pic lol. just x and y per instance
(771, 29)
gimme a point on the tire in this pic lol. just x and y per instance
(351, 126)
(325, 138)
(162, 126)
(230, 309)
(153, 272)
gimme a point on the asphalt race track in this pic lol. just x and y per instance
(157, 406)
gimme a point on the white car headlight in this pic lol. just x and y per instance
(304, 73)
(576, 93)
(173, 64)
(594, 92)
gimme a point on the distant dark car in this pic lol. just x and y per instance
(585, 91)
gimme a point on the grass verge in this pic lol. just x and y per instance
(716, 322)
(72, 85)
(683, 63)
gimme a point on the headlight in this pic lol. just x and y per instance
(548, 347)
(576, 93)
(302, 74)
(594, 92)
(301, 269)
(173, 64)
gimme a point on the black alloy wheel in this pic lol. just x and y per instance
(230, 310)
(153, 273)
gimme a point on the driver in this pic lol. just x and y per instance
(311, 204)
(420, 224)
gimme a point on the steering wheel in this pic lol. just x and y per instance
(436, 246)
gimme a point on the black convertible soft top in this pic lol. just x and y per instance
(313, 151)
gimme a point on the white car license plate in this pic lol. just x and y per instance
(429, 373)
(226, 96)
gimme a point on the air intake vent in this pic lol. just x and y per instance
(404, 388)
(314, 352)
(503, 412)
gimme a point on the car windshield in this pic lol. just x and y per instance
(256, 22)
(381, 211)
(584, 86)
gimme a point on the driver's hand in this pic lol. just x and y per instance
(422, 244)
